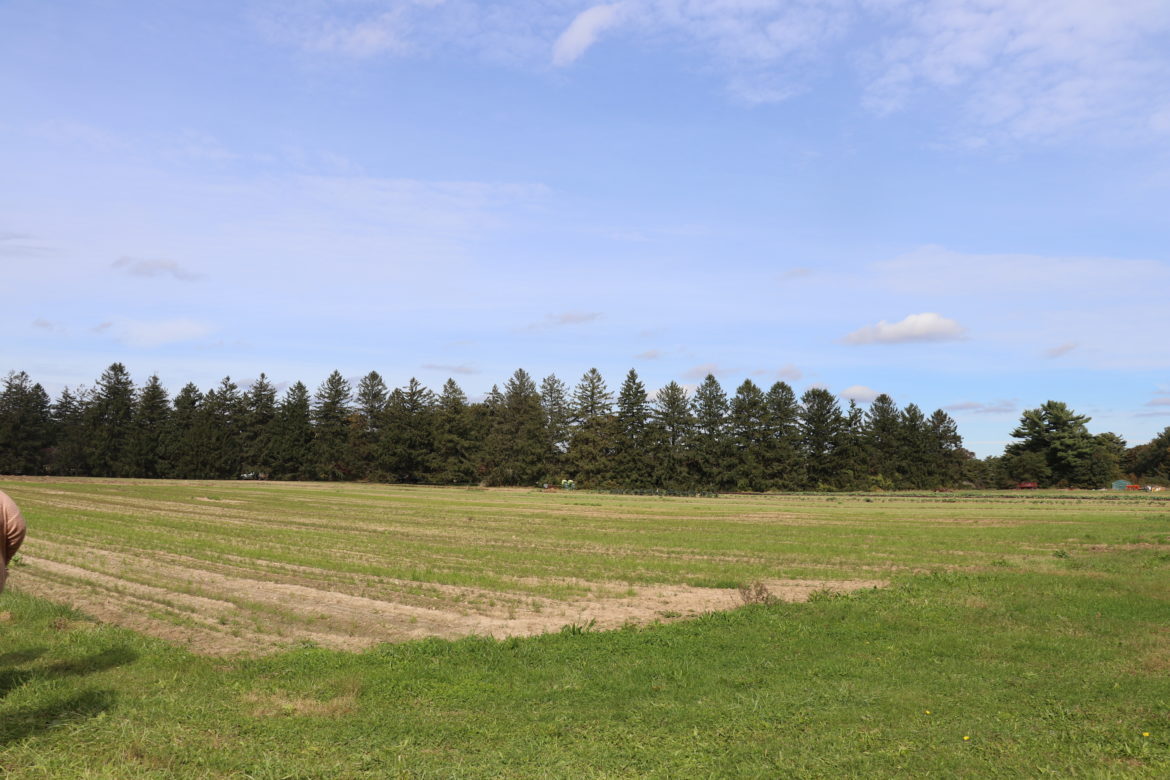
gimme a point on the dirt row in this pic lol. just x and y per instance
(225, 610)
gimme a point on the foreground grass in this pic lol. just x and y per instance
(1041, 651)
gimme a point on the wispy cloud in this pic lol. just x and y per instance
(1062, 349)
(701, 371)
(859, 393)
(583, 32)
(565, 318)
(157, 333)
(979, 407)
(20, 245)
(927, 326)
(154, 268)
(452, 369)
(650, 354)
(41, 323)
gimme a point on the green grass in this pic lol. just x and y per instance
(1036, 626)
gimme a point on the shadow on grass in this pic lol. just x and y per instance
(25, 722)
(18, 724)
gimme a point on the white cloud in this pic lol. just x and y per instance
(583, 32)
(153, 268)
(454, 369)
(565, 318)
(979, 407)
(859, 393)
(650, 354)
(927, 326)
(1029, 69)
(149, 334)
(701, 371)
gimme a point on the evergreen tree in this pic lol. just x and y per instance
(914, 450)
(821, 424)
(882, 435)
(151, 420)
(849, 454)
(110, 424)
(710, 446)
(292, 456)
(947, 453)
(554, 400)
(673, 426)
(453, 445)
(519, 436)
(223, 409)
(1059, 436)
(330, 415)
(632, 464)
(366, 430)
(748, 434)
(26, 426)
(783, 462)
(591, 447)
(70, 455)
(408, 433)
(187, 443)
(259, 428)
(483, 416)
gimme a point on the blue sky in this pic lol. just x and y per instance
(961, 203)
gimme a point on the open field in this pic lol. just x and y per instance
(1017, 634)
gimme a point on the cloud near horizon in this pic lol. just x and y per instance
(927, 326)
(859, 393)
(154, 268)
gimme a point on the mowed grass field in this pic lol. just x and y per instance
(234, 629)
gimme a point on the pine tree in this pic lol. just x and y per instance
(914, 450)
(710, 446)
(366, 431)
(259, 428)
(26, 426)
(188, 438)
(631, 437)
(882, 434)
(408, 433)
(70, 454)
(554, 400)
(110, 424)
(519, 436)
(747, 432)
(783, 462)
(673, 427)
(151, 420)
(453, 445)
(292, 455)
(591, 446)
(849, 455)
(821, 424)
(330, 415)
(224, 411)
(947, 453)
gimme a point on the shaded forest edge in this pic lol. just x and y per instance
(525, 434)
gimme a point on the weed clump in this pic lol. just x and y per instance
(756, 593)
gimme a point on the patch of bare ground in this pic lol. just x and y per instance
(218, 610)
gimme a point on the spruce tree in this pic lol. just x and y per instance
(365, 433)
(673, 427)
(408, 433)
(519, 436)
(151, 420)
(70, 454)
(26, 426)
(291, 457)
(710, 445)
(110, 424)
(259, 428)
(783, 462)
(591, 446)
(821, 425)
(882, 434)
(453, 444)
(554, 400)
(631, 437)
(330, 415)
(747, 432)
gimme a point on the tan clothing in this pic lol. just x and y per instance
(11, 533)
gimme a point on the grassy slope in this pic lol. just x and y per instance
(1049, 648)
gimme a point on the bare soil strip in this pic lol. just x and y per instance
(220, 611)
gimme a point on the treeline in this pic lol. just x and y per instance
(522, 434)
